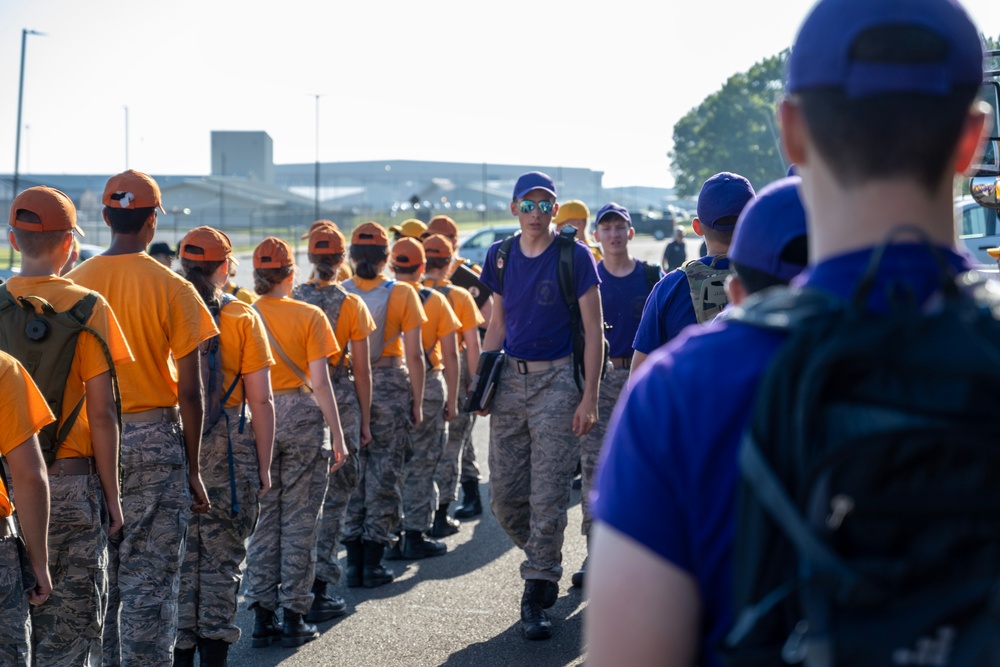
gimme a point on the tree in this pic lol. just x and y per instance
(733, 129)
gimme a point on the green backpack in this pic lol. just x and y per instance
(708, 287)
(44, 341)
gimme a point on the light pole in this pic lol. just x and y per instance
(316, 212)
(126, 138)
(20, 99)
(17, 143)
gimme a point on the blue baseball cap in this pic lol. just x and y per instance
(534, 180)
(766, 227)
(613, 208)
(723, 196)
(822, 54)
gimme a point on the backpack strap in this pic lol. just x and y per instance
(281, 353)
(652, 273)
(502, 257)
(566, 240)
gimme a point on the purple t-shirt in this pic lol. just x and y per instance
(669, 309)
(674, 448)
(537, 317)
(622, 300)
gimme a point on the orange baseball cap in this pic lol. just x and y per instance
(412, 228)
(370, 233)
(442, 224)
(54, 209)
(438, 245)
(132, 189)
(318, 224)
(326, 240)
(272, 253)
(204, 244)
(407, 252)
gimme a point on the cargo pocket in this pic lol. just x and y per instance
(245, 521)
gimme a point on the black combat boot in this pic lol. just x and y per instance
(184, 657)
(265, 626)
(444, 525)
(538, 596)
(415, 545)
(295, 631)
(472, 504)
(324, 606)
(213, 652)
(375, 574)
(579, 575)
(395, 552)
(355, 562)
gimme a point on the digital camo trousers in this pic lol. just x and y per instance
(533, 453)
(590, 444)
(343, 481)
(66, 629)
(15, 626)
(459, 430)
(144, 558)
(210, 572)
(420, 493)
(281, 554)
(373, 512)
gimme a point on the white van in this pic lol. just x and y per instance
(977, 230)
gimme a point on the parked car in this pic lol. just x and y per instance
(658, 223)
(475, 245)
(978, 230)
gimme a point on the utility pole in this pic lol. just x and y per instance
(17, 144)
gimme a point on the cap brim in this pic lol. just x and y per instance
(993, 252)
(518, 195)
(232, 258)
(78, 230)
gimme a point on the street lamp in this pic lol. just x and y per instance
(17, 144)
(317, 95)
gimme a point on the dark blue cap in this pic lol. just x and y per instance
(821, 56)
(723, 196)
(766, 227)
(533, 180)
(616, 209)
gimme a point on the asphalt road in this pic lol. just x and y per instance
(460, 609)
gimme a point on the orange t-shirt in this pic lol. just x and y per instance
(23, 413)
(243, 344)
(161, 315)
(355, 323)
(441, 321)
(462, 303)
(303, 333)
(88, 361)
(403, 314)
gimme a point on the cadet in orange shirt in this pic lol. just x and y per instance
(351, 375)
(83, 468)
(439, 251)
(23, 412)
(373, 512)
(235, 456)
(420, 494)
(281, 552)
(165, 322)
(344, 271)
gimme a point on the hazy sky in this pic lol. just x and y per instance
(595, 85)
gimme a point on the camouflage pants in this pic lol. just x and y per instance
(459, 429)
(210, 572)
(420, 493)
(144, 558)
(532, 456)
(66, 630)
(590, 444)
(470, 471)
(342, 484)
(15, 626)
(281, 554)
(373, 512)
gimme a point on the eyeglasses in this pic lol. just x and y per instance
(545, 207)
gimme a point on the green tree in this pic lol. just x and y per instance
(733, 129)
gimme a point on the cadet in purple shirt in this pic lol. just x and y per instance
(880, 115)
(625, 285)
(538, 413)
(670, 307)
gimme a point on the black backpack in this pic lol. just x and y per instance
(868, 530)
(211, 373)
(566, 240)
(44, 341)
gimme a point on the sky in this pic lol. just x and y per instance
(548, 82)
